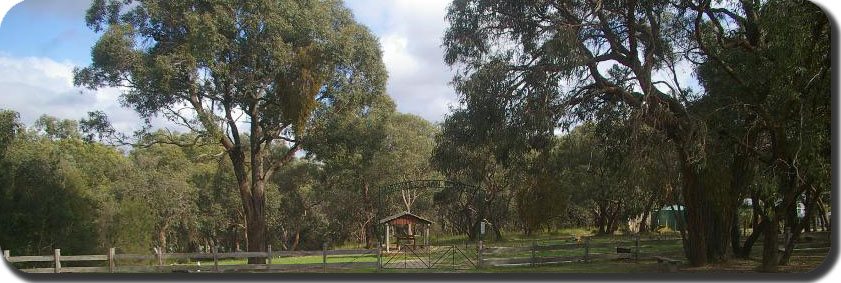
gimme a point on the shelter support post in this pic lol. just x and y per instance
(387, 242)
(426, 237)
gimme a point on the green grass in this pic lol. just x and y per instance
(309, 259)
(648, 248)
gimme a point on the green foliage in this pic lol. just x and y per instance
(287, 57)
(57, 129)
(9, 128)
(530, 68)
(363, 151)
(52, 191)
(285, 66)
(571, 117)
(127, 225)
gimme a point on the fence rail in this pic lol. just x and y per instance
(533, 254)
(160, 258)
(630, 247)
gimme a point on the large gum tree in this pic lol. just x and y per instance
(543, 64)
(554, 63)
(254, 76)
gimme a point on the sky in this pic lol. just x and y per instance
(41, 41)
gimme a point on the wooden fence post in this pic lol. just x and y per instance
(57, 260)
(111, 262)
(479, 258)
(587, 249)
(533, 253)
(6, 255)
(215, 260)
(379, 256)
(269, 259)
(324, 256)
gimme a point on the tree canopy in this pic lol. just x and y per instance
(275, 68)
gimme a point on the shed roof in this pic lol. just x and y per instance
(673, 207)
(402, 215)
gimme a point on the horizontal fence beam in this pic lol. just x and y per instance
(244, 267)
(31, 258)
(350, 252)
(314, 267)
(39, 270)
(101, 269)
(296, 253)
(134, 257)
(208, 268)
(84, 257)
(528, 260)
(50, 258)
(493, 250)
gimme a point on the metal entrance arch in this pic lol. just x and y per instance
(423, 184)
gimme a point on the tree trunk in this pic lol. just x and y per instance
(601, 218)
(614, 219)
(368, 228)
(822, 211)
(256, 219)
(643, 227)
(497, 232)
(757, 229)
(769, 245)
(707, 218)
(162, 237)
(252, 196)
(744, 253)
(797, 227)
(297, 240)
(736, 236)
(807, 222)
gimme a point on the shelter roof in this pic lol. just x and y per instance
(405, 214)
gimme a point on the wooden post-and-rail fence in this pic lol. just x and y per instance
(504, 254)
(158, 260)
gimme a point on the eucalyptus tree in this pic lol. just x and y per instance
(544, 64)
(53, 191)
(249, 75)
(302, 219)
(541, 192)
(161, 184)
(367, 150)
(55, 128)
(9, 128)
(557, 62)
(463, 153)
(783, 112)
(593, 160)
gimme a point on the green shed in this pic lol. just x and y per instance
(672, 217)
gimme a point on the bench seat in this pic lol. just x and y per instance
(666, 264)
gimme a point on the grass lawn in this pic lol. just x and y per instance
(308, 259)
(802, 261)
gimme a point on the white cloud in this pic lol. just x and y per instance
(5, 6)
(396, 55)
(34, 86)
(410, 33)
